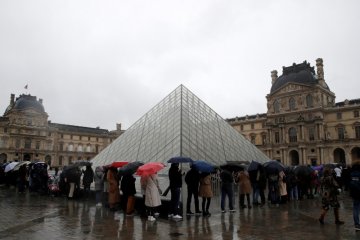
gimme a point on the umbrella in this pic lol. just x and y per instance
(254, 165)
(318, 168)
(180, 160)
(130, 168)
(203, 166)
(234, 166)
(303, 171)
(149, 168)
(17, 167)
(116, 164)
(10, 166)
(273, 167)
(81, 163)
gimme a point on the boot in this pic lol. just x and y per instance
(322, 216)
(337, 219)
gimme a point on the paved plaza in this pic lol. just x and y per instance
(31, 216)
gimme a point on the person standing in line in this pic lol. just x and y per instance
(88, 178)
(99, 185)
(282, 187)
(192, 179)
(354, 188)
(114, 192)
(175, 178)
(243, 180)
(227, 190)
(152, 195)
(261, 184)
(128, 189)
(206, 193)
(330, 190)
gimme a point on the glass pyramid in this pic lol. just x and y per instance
(180, 125)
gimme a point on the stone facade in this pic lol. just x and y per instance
(27, 134)
(303, 123)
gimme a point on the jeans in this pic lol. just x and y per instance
(255, 192)
(294, 193)
(175, 201)
(192, 192)
(98, 196)
(227, 190)
(356, 211)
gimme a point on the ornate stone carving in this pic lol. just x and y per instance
(320, 68)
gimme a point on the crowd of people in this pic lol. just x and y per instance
(116, 190)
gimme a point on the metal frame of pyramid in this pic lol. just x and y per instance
(180, 125)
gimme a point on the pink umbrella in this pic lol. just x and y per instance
(116, 164)
(149, 168)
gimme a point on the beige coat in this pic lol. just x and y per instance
(205, 187)
(114, 192)
(243, 180)
(282, 184)
(152, 195)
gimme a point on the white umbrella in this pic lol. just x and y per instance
(17, 167)
(10, 166)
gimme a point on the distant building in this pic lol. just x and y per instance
(26, 134)
(303, 123)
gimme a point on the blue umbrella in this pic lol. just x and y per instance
(254, 165)
(180, 160)
(203, 166)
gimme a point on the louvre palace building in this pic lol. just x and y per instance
(303, 123)
(26, 134)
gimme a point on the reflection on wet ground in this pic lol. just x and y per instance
(29, 216)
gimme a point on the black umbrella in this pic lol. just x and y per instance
(273, 167)
(254, 166)
(303, 171)
(234, 166)
(82, 163)
(180, 160)
(130, 168)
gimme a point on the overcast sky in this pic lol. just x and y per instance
(98, 63)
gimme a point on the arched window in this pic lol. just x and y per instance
(88, 148)
(80, 148)
(276, 106)
(292, 104)
(71, 147)
(292, 135)
(309, 101)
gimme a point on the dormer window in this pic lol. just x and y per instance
(292, 104)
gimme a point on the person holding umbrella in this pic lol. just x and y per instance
(175, 178)
(205, 192)
(150, 184)
(227, 189)
(243, 180)
(192, 179)
(114, 194)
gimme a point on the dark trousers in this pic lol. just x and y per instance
(227, 191)
(192, 192)
(175, 201)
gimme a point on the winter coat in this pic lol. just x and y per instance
(128, 185)
(114, 193)
(243, 180)
(205, 187)
(226, 177)
(175, 177)
(99, 178)
(152, 195)
(354, 185)
(88, 177)
(282, 184)
(192, 179)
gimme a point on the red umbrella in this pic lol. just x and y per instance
(116, 164)
(149, 168)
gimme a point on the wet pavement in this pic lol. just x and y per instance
(30, 216)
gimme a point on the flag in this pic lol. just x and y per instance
(26, 86)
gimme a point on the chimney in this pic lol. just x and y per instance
(12, 99)
(40, 100)
(320, 71)
(118, 127)
(274, 76)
